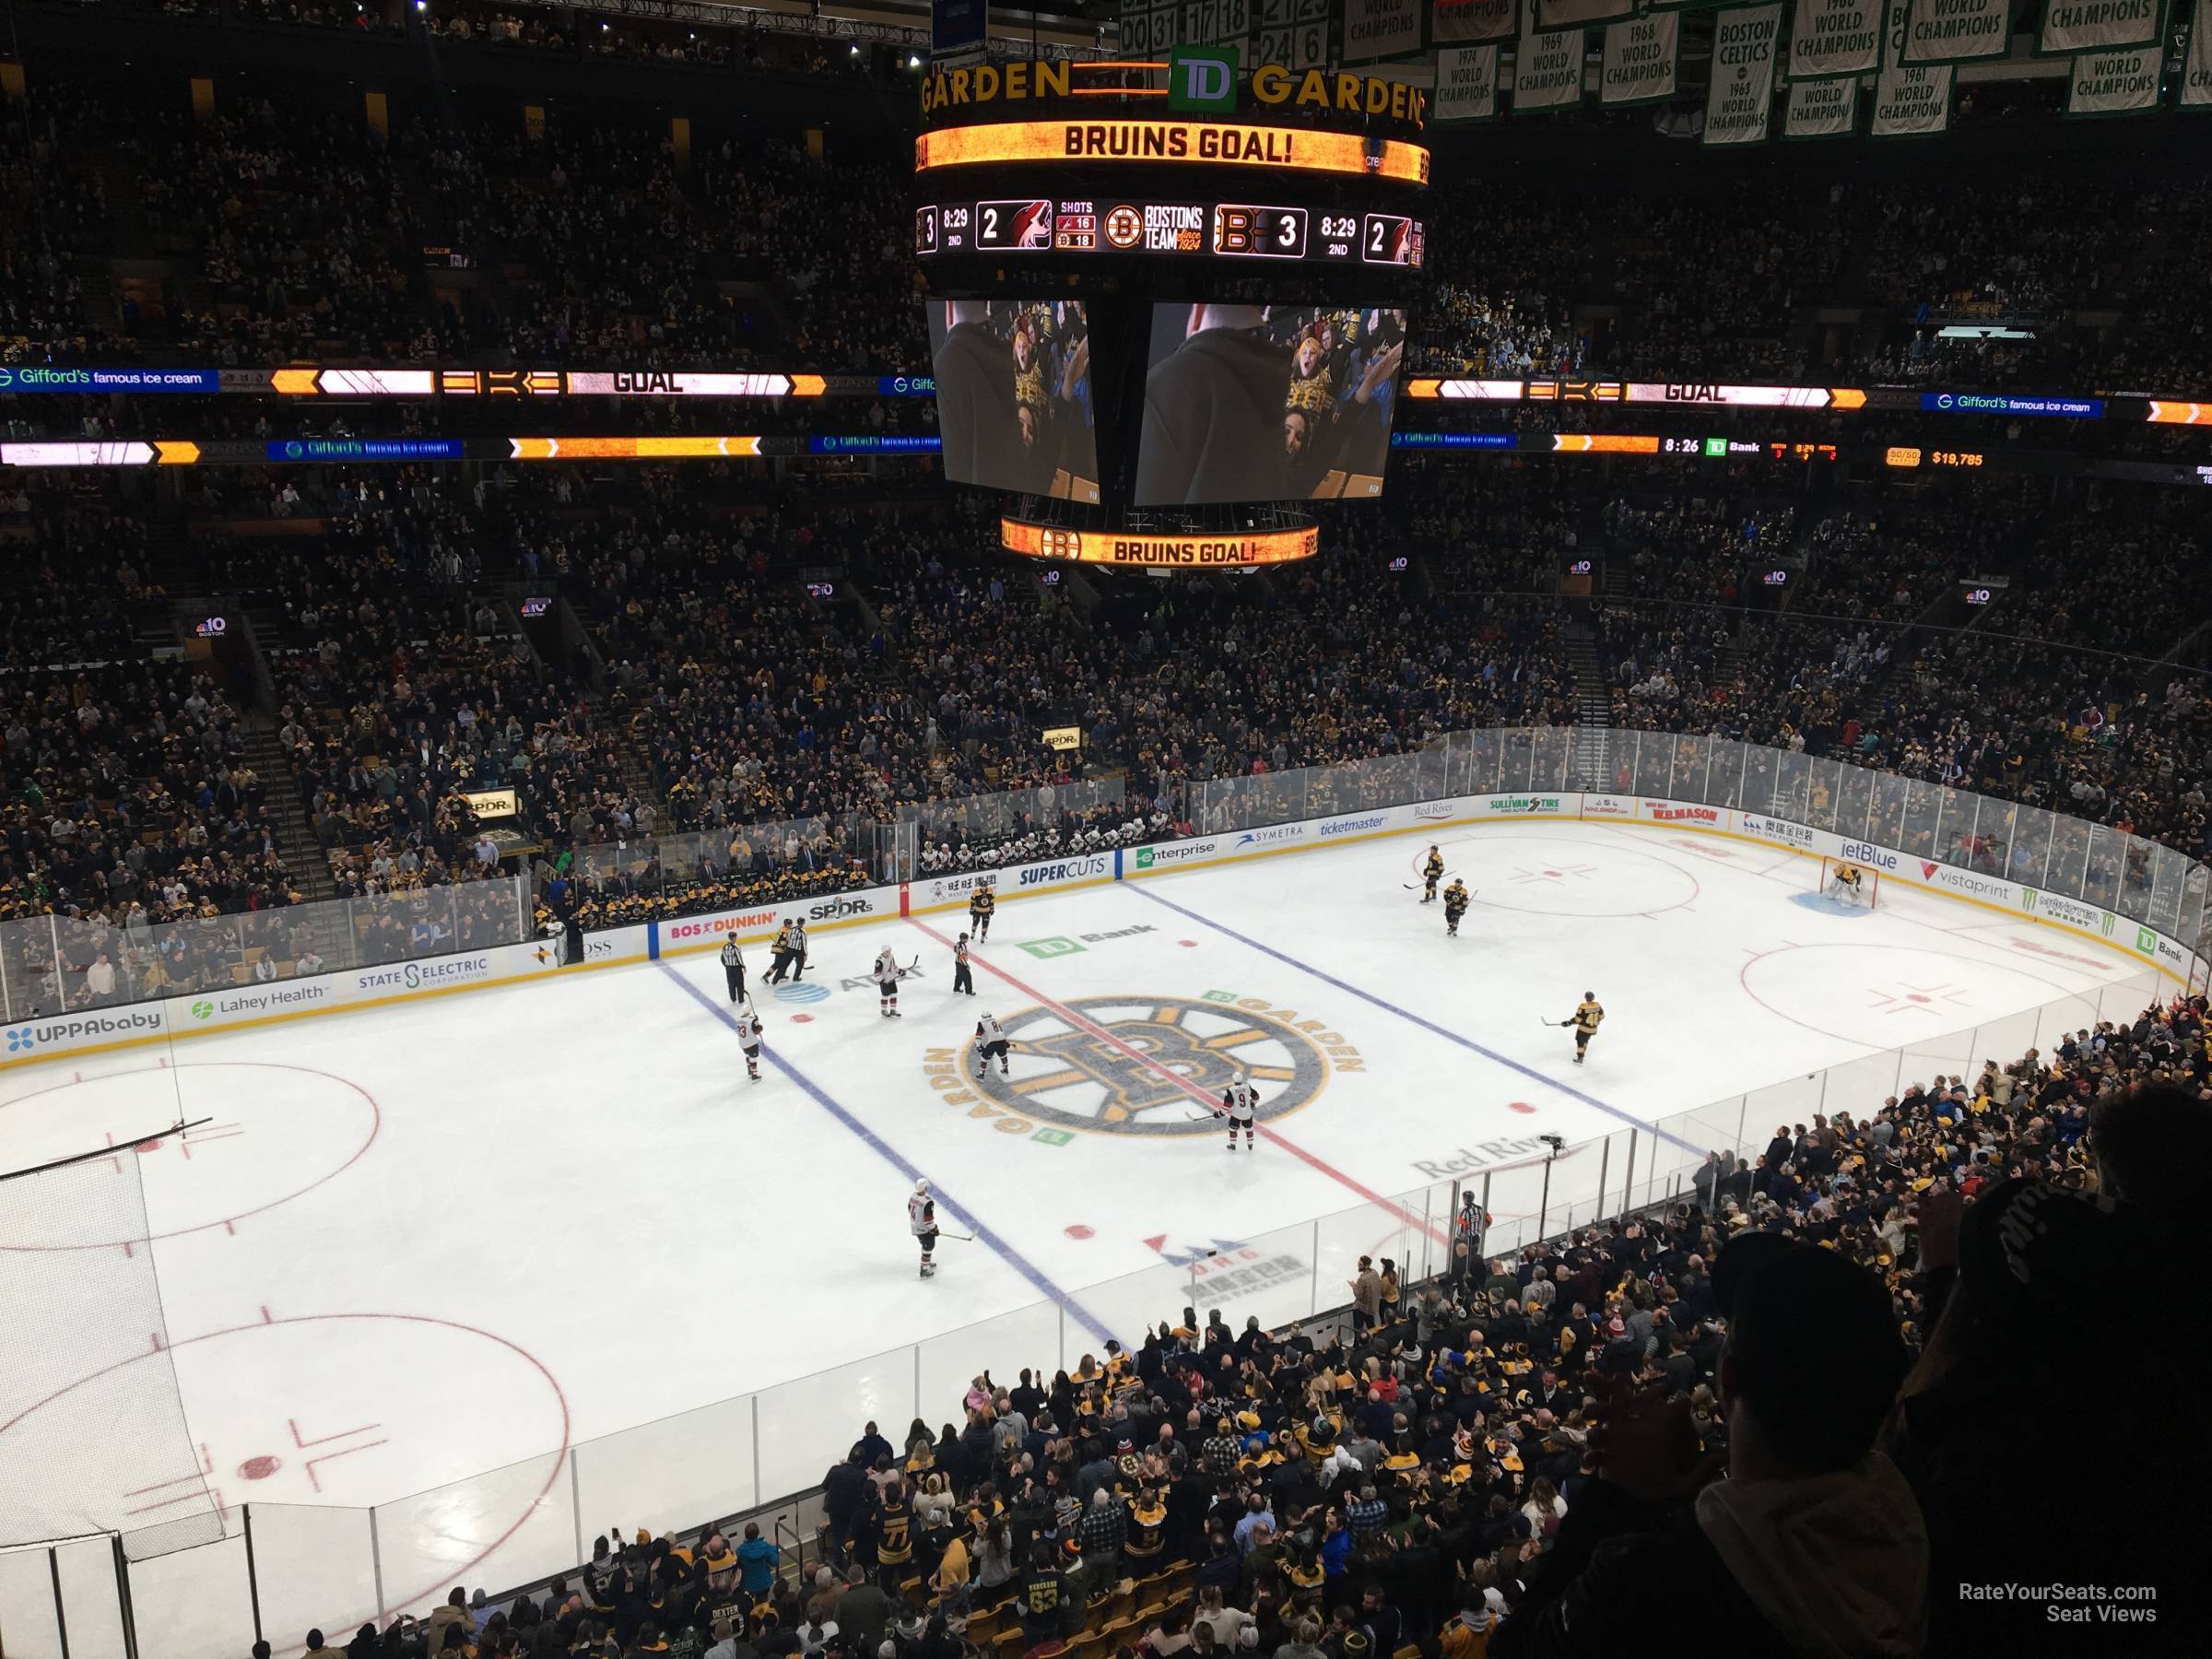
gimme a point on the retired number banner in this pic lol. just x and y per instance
(1958, 31)
(1476, 20)
(1466, 83)
(1548, 70)
(1741, 101)
(2196, 68)
(1377, 28)
(2116, 83)
(1638, 60)
(2098, 25)
(1822, 108)
(1835, 37)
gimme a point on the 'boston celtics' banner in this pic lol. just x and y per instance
(2196, 68)
(1548, 70)
(1741, 98)
(1958, 31)
(2116, 83)
(1466, 83)
(1822, 108)
(1908, 102)
(1835, 37)
(2096, 25)
(1565, 14)
(1476, 20)
(1639, 64)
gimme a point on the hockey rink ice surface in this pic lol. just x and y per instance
(482, 1231)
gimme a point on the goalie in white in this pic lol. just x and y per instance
(1239, 1101)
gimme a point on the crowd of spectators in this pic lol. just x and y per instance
(1790, 1403)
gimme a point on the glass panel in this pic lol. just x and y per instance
(1862, 1085)
(1921, 799)
(1029, 1336)
(1994, 826)
(1757, 791)
(2136, 877)
(693, 1467)
(1654, 762)
(26, 1606)
(2101, 886)
(316, 1570)
(815, 1418)
(1792, 774)
(1725, 776)
(2029, 862)
(1854, 801)
(1954, 827)
(2170, 876)
(504, 1527)
(1886, 814)
(90, 1613)
(193, 1605)
(2068, 872)
(1686, 772)
(1821, 794)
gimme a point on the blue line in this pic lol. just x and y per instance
(883, 1150)
(1426, 1024)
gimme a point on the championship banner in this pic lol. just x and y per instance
(1957, 31)
(2196, 67)
(1548, 71)
(1475, 19)
(1377, 28)
(1740, 99)
(2116, 83)
(2100, 25)
(1466, 83)
(1908, 103)
(1569, 14)
(1822, 108)
(1639, 56)
(1835, 37)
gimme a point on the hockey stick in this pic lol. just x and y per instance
(1416, 886)
(963, 1238)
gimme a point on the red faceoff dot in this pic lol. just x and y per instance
(802, 1019)
(1079, 1232)
(258, 1468)
(1519, 1106)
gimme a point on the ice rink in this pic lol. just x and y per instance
(482, 1231)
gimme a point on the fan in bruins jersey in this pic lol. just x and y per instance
(1585, 1023)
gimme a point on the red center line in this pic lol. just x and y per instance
(1184, 1084)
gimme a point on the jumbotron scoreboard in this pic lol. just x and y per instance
(1169, 297)
(1189, 157)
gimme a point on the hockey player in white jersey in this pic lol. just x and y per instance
(748, 1038)
(887, 984)
(990, 1042)
(921, 1219)
(1238, 1102)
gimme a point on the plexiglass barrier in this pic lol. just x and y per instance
(335, 1569)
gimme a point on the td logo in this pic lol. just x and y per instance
(1044, 949)
(1203, 77)
(201, 1009)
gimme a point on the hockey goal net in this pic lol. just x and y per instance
(1835, 885)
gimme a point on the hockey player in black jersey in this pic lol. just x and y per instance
(1432, 871)
(1455, 906)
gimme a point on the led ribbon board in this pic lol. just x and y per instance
(1173, 144)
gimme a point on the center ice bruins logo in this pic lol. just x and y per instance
(1064, 1072)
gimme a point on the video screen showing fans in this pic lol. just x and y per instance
(1014, 405)
(1253, 403)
